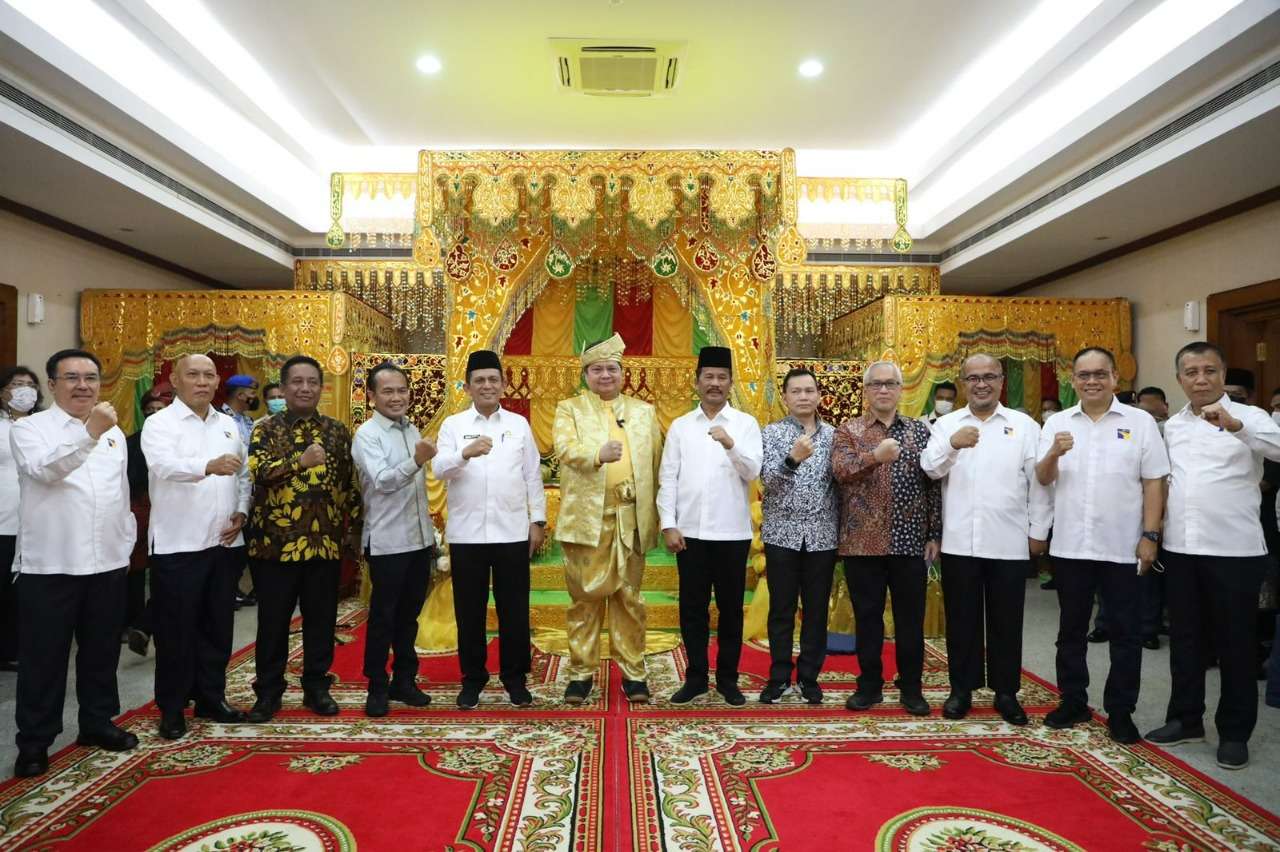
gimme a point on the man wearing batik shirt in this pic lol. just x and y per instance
(890, 526)
(306, 516)
(799, 534)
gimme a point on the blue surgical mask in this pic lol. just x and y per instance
(275, 406)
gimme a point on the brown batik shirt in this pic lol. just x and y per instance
(885, 509)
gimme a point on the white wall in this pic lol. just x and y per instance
(1233, 253)
(37, 259)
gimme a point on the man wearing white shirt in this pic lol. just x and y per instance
(994, 515)
(497, 514)
(1108, 461)
(1214, 553)
(75, 534)
(712, 455)
(398, 538)
(200, 493)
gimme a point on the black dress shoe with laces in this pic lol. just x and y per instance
(863, 700)
(221, 712)
(957, 705)
(578, 691)
(320, 702)
(173, 726)
(636, 691)
(108, 738)
(1067, 714)
(264, 710)
(408, 693)
(32, 761)
(1009, 709)
(731, 694)
(687, 692)
(915, 705)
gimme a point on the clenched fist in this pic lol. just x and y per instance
(101, 418)
(1062, 443)
(802, 448)
(965, 437)
(610, 452)
(423, 452)
(673, 539)
(227, 464)
(887, 450)
(479, 447)
(1214, 414)
(312, 456)
(721, 437)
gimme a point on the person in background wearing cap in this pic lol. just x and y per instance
(398, 540)
(496, 521)
(609, 446)
(712, 456)
(242, 397)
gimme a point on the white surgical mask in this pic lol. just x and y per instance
(275, 406)
(22, 399)
(943, 406)
(1275, 415)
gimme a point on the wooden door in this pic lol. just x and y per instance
(1245, 322)
(8, 325)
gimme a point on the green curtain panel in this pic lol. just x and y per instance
(1013, 383)
(592, 318)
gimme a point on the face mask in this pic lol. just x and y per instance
(22, 399)
(1275, 415)
(275, 406)
(254, 404)
(943, 406)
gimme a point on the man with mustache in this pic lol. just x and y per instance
(199, 487)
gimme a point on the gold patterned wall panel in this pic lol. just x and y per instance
(808, 299)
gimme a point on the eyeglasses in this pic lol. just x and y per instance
(76, 378)
(875, 386)
(984, 379)
(1094, 376)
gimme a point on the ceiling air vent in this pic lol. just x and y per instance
(612, 67)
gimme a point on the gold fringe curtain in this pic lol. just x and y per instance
(808, 299)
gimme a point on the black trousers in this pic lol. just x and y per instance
(984, 595)
(8, 600)
(704, 566)
(806, 575)
(281, 586)
(399, 582)
(508, 566)
(53, 609)
(1152, 602)
(1212, 601)
(1121, 590)
(905, 577)
(138, 609)
(194, 610)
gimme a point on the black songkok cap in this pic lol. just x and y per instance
(715, 356)
(1240, 376)
(483, 359)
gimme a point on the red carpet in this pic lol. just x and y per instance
(610, 777)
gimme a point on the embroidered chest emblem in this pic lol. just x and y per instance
(1008, 430)
(1123, 434)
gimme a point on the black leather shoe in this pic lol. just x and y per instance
(957, 704)
(688, 692)
(636, 691)
(468, 697)
(578, 691)
(109, 738)
(320, 702)
(1098, 635)
(521, 696)
(376, 704)
(1175, 733)
(863, 700)
(32, 761)
(731, 694)
(810, 691)
(915, 705)
(773, 692)
(173, 726)
(139, 642)
(264, 709)
(1233, 755)
(1122, 729)
(1010, 710)
(408, 693)
(220, 712)
(1066, 715)
(1151, 643)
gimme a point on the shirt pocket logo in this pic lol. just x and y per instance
(1124, 434)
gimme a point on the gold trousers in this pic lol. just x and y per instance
(610, 571)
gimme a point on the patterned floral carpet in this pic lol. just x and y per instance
(609, 777)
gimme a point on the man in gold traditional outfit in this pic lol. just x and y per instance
(609, 447)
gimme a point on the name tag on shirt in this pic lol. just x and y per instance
(471, 437)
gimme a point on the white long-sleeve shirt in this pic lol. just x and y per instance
(73, 513)
(190, 509)
(1213, 489)
(393, 487)
(991, 500)
(8, 486)
(492, 498)
(1097, 498)
(704, 489)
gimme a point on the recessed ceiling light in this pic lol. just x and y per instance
(810, 68)
(429, 64)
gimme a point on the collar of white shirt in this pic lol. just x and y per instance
(723, 414)
(182, 410)
(1000, 411)
(1116, 407)
(1186, 411)
(387, 423)
(496, 416)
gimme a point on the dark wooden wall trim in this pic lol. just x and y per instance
(1244, 205)
(1228, 301)
(42, 218)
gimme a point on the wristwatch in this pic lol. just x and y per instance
(1151, 535)
(541, 523)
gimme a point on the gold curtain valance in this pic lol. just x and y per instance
(414, 298)
(808, 299)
